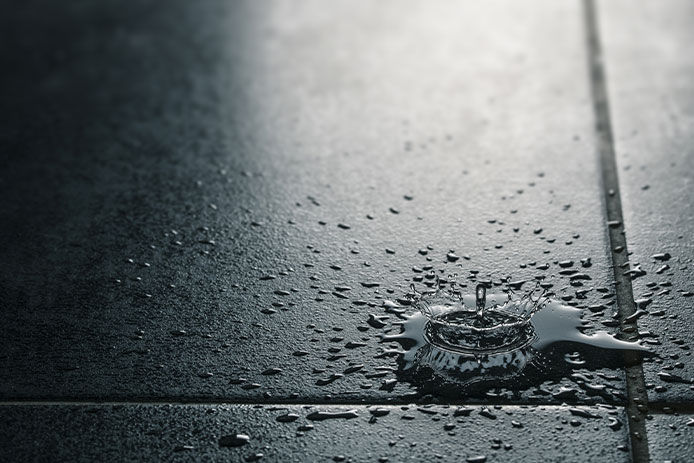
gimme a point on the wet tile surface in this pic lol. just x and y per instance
(671, 437)
(653, 120)
(217, 211)
(297, 433)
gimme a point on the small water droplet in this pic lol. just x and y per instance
(234, 440)
(323, 415)
(287, 418)
(480, 300)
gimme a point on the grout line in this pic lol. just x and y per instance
(135, 402)
(654, 408)
(636, 391)
(668, 408)
(280, 402)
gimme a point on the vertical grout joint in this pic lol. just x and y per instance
(635, 382)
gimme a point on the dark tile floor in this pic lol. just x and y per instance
(207, 206)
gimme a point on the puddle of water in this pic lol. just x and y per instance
(466, 344)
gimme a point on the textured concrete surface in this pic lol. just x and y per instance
(408, 433)
(652, 100)
(176, 174)
(226, 203)
(653, 116)
(671, 437)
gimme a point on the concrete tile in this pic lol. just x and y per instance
(190, 190)
(670, 437)
(195, 432)
(652, 96)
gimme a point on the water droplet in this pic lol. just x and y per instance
(480, 300)
(234, 440)
(583, 413)
(322, 415)
(379, 411)
(287, 418)
(183, 448)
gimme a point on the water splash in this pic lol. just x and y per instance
(464, 323)
(456, 342)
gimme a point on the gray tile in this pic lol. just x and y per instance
(187, 432)
(652, 97)
(671, 438)
(162, 162)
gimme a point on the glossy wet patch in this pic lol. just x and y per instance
(456, 346)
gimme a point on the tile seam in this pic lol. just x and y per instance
(635, 382)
